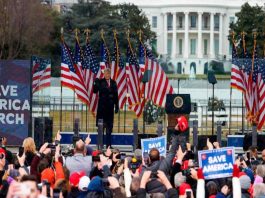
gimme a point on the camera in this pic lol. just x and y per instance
(52, 146)
(186, 172)
(188, 193)
(135, 164)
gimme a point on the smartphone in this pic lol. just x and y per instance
(188, 193)
(20, 151)
(146, 157)
(123, 156)
(56, 193)
(51, 146)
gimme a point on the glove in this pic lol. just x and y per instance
(116, 109)
(200, 173)
(236, 171)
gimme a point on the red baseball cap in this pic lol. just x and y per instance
(75, 178)
(182, 123)
(183, 187)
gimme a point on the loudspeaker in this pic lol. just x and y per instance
(247, 142)
(48, 129)
(202, 140)
(42, 130)
(76, 126)
(144, 136)
(211, 77)
(38, 131)
(178, 104)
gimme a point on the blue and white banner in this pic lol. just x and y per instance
(217, 163)
(160, 143)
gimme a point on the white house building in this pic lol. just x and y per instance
(190, 32)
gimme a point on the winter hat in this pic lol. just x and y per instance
(182, 123)
(83, 183)
(48, 174)
(245, 182)
(96, 184)
(2, 151)
(96, 153)
(183, 187)
(138, 154)
(75, 178)
(179, 179)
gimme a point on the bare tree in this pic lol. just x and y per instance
(25, 28)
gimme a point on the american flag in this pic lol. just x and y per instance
(255, 83)
(158, 86)
(138, 108)
(133, 75)
(237, 78)
(261, 91)
(78, 71)
(115, 62)
(247, 70)
(120, 70)
(41, 73)
(92, 70)
(69, 76)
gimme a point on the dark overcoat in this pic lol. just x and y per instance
(108, 99)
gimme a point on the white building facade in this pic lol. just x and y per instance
(192, 33)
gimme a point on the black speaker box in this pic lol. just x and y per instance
(42, 130)
(211, 77)
(247, 142)
(202, 140)
(178, 104)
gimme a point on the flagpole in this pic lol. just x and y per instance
(243, 114)
(230, 111)
(61, 99)
(30, 133)
(87, 32)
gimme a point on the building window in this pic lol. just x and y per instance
(216, 46)
(193, 21)
(216, 21)
(169, 22)
(169, 46)
(205, 46)
(192, 46)
(230, 49)
(206, 21)
(180, 46)
(154, 21)
(180, 22)
(154, 45)
(231, 19)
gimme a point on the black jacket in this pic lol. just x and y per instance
(108, 98)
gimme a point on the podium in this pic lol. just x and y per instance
(177, 105)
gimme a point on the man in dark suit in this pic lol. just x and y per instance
(108, 100)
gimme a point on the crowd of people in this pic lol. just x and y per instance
(85, 173)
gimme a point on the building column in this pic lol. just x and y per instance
(199, 35)
(186, 36)
(165, 33)
(212, 35)
(174, 36)
(221, 34)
